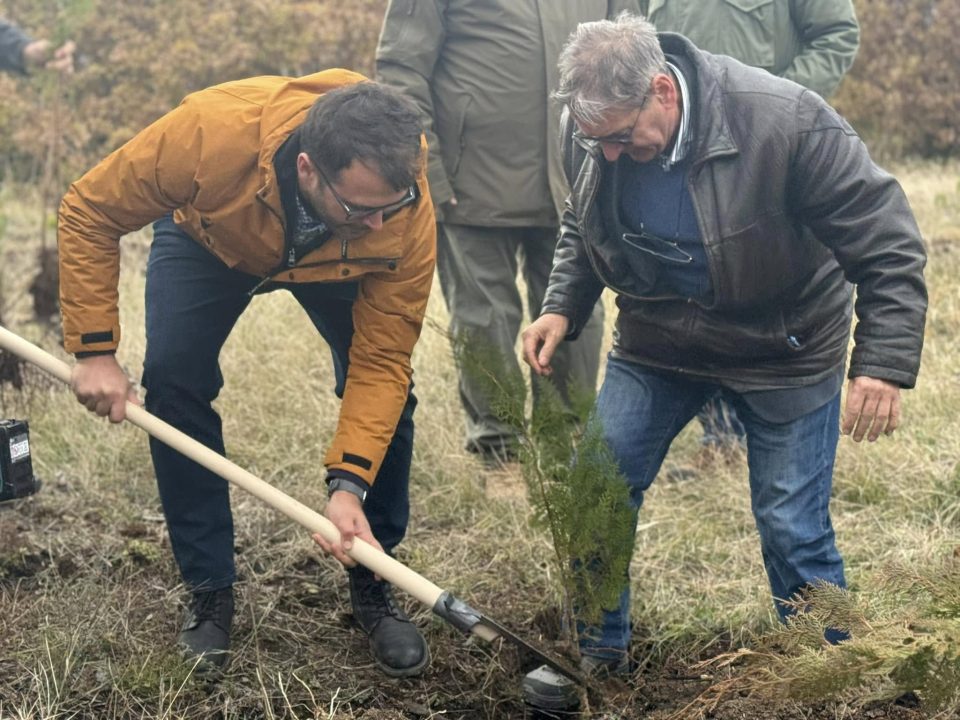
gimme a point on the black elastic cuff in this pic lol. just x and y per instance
(348, 477)
(93, 353)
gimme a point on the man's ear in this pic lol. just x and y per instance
(305, 169)
(664, 87)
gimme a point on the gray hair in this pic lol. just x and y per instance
(607, 65)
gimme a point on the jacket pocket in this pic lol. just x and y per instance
(748, 26)
(749, 5)
(763, 262)
(681, 334)
(451, 125)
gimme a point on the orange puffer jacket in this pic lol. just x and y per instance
(210, 161)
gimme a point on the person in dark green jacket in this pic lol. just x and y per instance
(813, 43)
(481, 72)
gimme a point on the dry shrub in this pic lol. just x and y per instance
(45, 286)
(11, 370)
(11, 367)
(903, 92)
(140, 59)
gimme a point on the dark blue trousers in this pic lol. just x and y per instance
(193, 300)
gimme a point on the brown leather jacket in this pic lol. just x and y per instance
(791, 211)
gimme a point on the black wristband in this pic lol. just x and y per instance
(348, 483)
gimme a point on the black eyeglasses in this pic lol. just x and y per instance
(623, 137)
(359, 212)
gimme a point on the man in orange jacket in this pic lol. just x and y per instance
(314, 185)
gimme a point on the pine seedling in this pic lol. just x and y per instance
(575, 488)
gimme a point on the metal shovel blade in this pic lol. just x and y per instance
(466, 619)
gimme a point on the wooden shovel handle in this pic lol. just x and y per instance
(382, 564)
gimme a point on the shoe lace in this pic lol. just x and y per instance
(376, 598)
(208, 605)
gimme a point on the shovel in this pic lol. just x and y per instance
(442, 602)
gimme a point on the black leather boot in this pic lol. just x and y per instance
(205, 636)
(398, 647)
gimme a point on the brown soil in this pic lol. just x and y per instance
(292, 621)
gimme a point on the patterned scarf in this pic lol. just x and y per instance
(310, 232)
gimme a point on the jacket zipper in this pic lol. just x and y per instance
(291, 259)
(286, 265)
(290, 262)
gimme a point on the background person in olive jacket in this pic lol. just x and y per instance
(481, 72)
(732, 212)
(813, 43)
(18, 53)
(312, 185)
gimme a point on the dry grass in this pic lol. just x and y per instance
(89, 594)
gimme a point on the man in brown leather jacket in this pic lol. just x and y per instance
(733, 213)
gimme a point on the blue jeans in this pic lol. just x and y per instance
(193, 301)
(642, 410)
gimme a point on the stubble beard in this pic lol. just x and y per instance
(344, 231)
